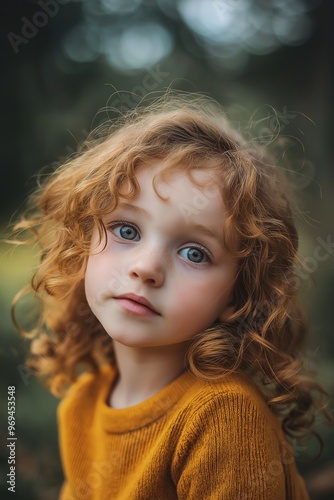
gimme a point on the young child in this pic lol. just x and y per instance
(168, 276)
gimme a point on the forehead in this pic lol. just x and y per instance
(157, 174)
(196, 192)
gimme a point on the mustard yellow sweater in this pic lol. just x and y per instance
(193, 440)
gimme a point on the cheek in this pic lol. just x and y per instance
(203, 296)
(194, 311)
(89, 282)
(95, 275)
(193, 297)
(104, 276)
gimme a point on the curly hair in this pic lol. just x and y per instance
(265, 334)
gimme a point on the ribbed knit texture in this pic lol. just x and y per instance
(193, 440)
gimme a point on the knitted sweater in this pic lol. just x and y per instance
(193, 440)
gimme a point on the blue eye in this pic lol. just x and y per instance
(194, 254)
(125, 231)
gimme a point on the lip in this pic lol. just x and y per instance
(130, 302)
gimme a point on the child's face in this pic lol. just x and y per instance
(157, 251)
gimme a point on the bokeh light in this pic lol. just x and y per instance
(130, 36)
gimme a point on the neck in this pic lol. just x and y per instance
(144, 371)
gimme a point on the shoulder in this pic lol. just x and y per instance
(231, 386)
(234, 398)
(230, 444)
(228, 414)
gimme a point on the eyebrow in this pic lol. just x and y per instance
(197, 227)
(133, 208)
(205, 230)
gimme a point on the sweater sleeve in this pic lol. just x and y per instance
(229, 451)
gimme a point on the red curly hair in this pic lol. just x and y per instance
(265, 334)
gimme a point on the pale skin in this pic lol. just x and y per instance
(175, 262)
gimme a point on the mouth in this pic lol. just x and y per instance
(136, 304)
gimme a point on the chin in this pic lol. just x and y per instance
(131, 341)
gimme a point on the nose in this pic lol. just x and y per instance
(148, 266)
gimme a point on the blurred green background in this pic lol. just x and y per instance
(64, 62)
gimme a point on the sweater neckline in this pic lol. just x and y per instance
(121, 420)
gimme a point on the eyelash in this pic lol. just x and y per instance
(119, 223)
(115, 223)
(205, 251)
(202, 249)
